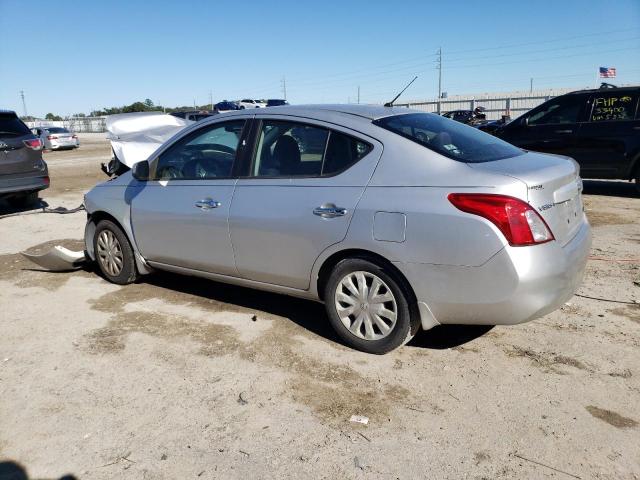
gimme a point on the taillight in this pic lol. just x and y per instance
(516, 219)
(52, 137)
(33, 144)
(46, 180)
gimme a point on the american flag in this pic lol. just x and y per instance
(607, 72)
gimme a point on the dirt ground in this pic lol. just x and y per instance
(177, 377)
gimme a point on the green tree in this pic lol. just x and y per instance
(51, 116)
(148, 103)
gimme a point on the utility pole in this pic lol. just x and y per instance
(531, 85)
(439, 67)
(284, 87)
(358, 93)
(24, 104)
(211, 99)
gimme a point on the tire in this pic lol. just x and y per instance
(114, 255)
(23, 200)
(395, 307)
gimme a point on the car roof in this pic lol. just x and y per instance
(604, 89)
(7, 111)
(371, 112)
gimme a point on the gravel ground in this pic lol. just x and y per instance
(177, 377)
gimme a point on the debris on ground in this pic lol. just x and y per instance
(359, 419)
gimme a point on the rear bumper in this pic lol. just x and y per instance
(27, 183)
(62, 146)
(516, 285)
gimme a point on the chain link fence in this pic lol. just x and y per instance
(75, 124)
(495, 104)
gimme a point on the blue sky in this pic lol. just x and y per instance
(75, 56)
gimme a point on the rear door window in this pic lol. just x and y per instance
(612, 107)
(291, 149)
(561, 110)
(342, 152)
(12, 126)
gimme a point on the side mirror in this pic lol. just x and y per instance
(140, 171)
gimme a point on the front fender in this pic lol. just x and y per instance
(109, 200)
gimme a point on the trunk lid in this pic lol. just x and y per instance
(554, 188)
(15, 157)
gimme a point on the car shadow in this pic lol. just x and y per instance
(10, 470)
(448, 336)
(307, 314)
(610, 188)
(7, 209)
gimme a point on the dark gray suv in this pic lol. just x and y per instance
(23, 172)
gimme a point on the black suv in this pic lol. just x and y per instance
(598, 128)
(23, 172)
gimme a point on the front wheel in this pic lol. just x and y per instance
(369, 307)
(114, 254)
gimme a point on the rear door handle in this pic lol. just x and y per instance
(208, 204)
(563, 131)
(329, 210)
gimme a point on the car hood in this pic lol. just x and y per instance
(135, 136)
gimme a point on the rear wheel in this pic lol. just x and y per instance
(114, 254)
(23, 200)
(369, 307)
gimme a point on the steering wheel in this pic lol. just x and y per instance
(222, 148)
(169, 172)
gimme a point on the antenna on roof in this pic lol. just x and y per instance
(390, 104)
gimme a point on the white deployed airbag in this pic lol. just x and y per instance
(135, 136)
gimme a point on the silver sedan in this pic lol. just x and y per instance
(397, 220)
(57, 138)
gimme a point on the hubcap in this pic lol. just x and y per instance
(110, 253)
(366, 306)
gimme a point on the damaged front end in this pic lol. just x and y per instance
(58, 259)
(134, 137)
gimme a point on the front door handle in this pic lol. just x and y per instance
(563, 131)
(329, 210)
(208, 204)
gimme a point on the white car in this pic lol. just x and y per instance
(248, 103)
(57, 138)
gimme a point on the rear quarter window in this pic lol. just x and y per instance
(613, 107)
(11, 125)
(449, 138)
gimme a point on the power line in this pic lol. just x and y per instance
(545, 50)
(359, 73)
(538, 42)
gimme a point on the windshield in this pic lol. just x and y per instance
(57, 130)
(449, 138)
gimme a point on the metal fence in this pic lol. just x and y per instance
(75, 124)
(495, 104)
